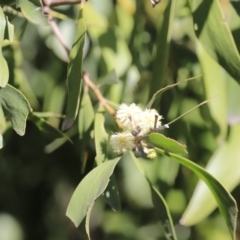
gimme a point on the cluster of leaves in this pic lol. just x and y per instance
(121, 39)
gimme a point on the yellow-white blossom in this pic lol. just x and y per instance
(149, 118)
(122, 142)
(137, 123)
(129, 115)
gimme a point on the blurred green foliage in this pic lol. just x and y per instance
(131, 50)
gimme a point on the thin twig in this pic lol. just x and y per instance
(59, 2)
(58, 34)
(55, 28)
(98, 94)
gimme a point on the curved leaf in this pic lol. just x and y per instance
(110, 195)
(236, 5)
(210, 24)
(213, 76)
(4, 73)
(162, 53)
(33, 13)
(160, 204)
(167, 144)
(74, 75)
(101, 138)
(223, 163)
(226, 202)
(18, 107)
(86, 115)
(88, 190)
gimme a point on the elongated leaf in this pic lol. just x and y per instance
(223, 163)
(86, 116)
(74, 75)
(87, 221)
(4, 73)
(167, 144)
(101, 138)
(110, 195)
(159, 203)
(47, 129)
(33, 13)
(213, 76)
(110, 78)
(226, 202)
(15, 103)
(236, 5)
(163, 41)
(1, 141)
(210, 24)
(2, 120)
(88, 190)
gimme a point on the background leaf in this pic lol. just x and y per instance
(220, 165)
(209, 24)
(160, 204)
(111, 194)
(163, 41)
(17, 106)
(33, 13)
(4, 73)
(75, 74)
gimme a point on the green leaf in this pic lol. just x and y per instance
(110, 195)
(236, 5)
(4, 73)
(162, 53)
(86, 115)
(167, 144)
(74, 74)
(213, 76)
(47, 129)
(18, 107)
(87, 221)
(210, 24)
(3, 123)
(1, 141)
(88, 190)
(109, 79)
(160, 204)
(224, 162)
(226, 202)
(33, 13)
(101, 138)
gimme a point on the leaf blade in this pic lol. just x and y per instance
(4, 73)
(15, 103)
(161, 206)
(226, 202)
(167, 144)
(88, 190)
(210, 24)
(74, 75)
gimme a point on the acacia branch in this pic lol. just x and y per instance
(98, 94)
(53, 3)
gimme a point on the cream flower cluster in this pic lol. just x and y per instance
(136, 124)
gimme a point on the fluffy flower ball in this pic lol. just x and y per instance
(122, 142)
(136, 123)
